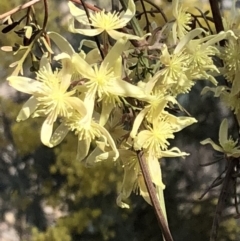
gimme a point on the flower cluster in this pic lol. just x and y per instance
(230, 92)
(118, 98)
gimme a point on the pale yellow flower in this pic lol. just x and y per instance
(154, 140)
(225, 93)
(232, 101)
(104, 82)
(227, 145)
(182, 21)
(87, 131)
(103, 21)
(231, 59)
(50, 97)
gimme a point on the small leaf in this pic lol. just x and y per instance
(28, 31)
(8, 20)
(13, 64)
(10, 27)
(152, 12)
(47, 46)
(132, 67)
(7, 48)
(206, 13)
(20, 32)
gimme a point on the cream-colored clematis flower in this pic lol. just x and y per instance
(103, 21)
(50, 97)
(104, 82)
(87, 131)
(155, 140)
(182, 21)
(227, 145)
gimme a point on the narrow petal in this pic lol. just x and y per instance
(92, 158)
(83, 149)
(175, 7)
(78, 13)
(174, 152)
(161, 200)
(218, 37)
(44, 63)
(82, 66)
(110, 141)
(215, 146)
(62, 56)
(24, 84)
(87, 32)
(78, 105)
(109, 155)
(93, 56)
(106, 111)
(120, 203)
(179, 123)
(143, 189)
(61, 43)
(236, 84)
(46, 132)
(125, 89)
(28, 108)
(235, 153)
(59, 134)
(188, 37)
(155, 171)
(117, 35)
(138, 121)
(114, 53)
(117, 68)
(130, 176)
(223, 132)
(130, 12)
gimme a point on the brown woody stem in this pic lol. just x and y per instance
(217, 18)
(19, 8)
(153, 196)
(226, 187)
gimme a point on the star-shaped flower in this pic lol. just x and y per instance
(227, 145)
(87, 130)
(50, 97)
(103, 21)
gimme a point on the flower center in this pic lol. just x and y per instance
(106, 21)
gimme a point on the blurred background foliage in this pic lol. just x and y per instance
(55, 198)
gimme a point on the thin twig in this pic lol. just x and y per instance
(217, 18)
(87, 5)
(152, 193)
(217, 181)
(89, 20)
(205, 19)
(159, 9)
(19, 8)
(146, 16)
(223, 198)
(45, 20)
